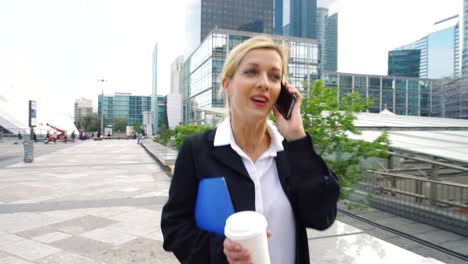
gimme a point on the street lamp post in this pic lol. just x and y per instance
(102, 106)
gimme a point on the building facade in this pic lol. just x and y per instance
(451, 98)
(439, 50)
(82, 107)
(201, 99)
(174, 98)
(302, 18)
(244, 15)
(154, 92)
(400, 95)
(327, 34)
(404, 62)
(465, 39)
(123, 105)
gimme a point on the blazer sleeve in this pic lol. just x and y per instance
(189, 243)
(314, 185)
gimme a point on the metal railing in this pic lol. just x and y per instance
(422, 193)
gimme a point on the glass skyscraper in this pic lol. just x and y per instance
(123, 105)
(440, 50)
(465, 39)
(245, 15)
(201, 99)
(327, 34)
(404, 62)
(303, 18)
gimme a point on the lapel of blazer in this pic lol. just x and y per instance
(282, 166)
(227, 156)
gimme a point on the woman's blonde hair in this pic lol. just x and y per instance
(238, 53)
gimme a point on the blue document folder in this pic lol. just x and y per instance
(213, 205)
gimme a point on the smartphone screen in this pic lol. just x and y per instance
(285, 102)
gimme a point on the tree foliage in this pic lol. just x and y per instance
(330, 124)
(90, 122)
(137, 127)
(165, 135)
(183, 131)
(120, 124)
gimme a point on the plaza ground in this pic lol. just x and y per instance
(100, 202)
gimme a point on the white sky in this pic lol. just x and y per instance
(53, 51)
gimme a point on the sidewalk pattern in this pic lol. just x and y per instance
(95, 202)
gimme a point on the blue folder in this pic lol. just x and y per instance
(213, 205)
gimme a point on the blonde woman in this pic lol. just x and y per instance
(270, 169)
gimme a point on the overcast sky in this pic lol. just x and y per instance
(53, 51)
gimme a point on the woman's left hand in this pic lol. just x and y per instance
(293, 128)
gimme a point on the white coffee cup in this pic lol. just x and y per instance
(248, 228)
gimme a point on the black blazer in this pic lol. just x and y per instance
(311, 187)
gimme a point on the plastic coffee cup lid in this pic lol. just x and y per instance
(245, 225)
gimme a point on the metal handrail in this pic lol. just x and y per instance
(430, 161)
(453, 184)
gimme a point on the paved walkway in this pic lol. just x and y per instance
(100, 202)
(93, 202)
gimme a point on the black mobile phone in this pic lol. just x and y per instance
(285, 102)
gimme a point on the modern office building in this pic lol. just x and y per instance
(154, 92)
(404, 62)
(400, 95)
(174, 98)
(327, 34)
(465, 39)
(201, 98)
(162, 110)
(244, 15)
(83, 107)
(123, 105)
(331, 44)
(302, 18)
(296, 18)
(440, 50)
(451, 98)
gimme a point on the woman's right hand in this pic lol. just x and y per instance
(235, 253)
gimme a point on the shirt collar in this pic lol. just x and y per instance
(224, 135)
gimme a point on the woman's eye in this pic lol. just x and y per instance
(275, 76)
(250, 71)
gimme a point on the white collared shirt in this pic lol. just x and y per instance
(270, 199)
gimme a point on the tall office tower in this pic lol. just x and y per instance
(154, 93)
(465, 39)
(322, 15)
(440, 50)
(331, 43)
(244, 15)
(327, 34)
(83, 107)
(404, 62)
(174, 98)
(302, 18)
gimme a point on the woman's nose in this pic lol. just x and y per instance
(263, 81)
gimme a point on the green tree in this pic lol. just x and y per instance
(137, 127)
(90, 122)
(165, 134)
(330, 124)
(183, 131)
(120, 124)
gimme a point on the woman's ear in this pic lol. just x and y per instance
(226, 86)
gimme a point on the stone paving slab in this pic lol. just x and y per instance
(101, 201)
(93, 202)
